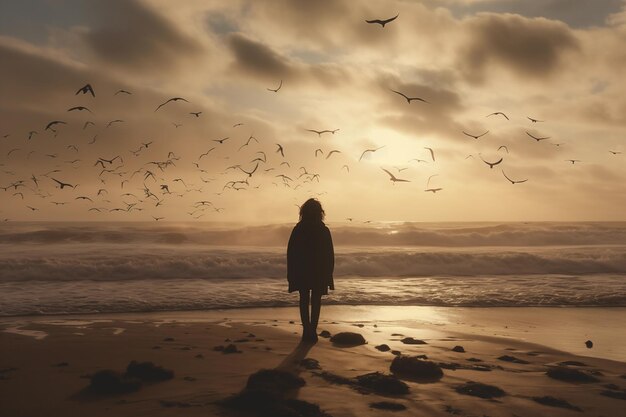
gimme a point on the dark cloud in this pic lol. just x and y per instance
(27, 77)
(258, 59)
(529, 48)
(131, 35)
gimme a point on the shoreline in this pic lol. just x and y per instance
(534, 326)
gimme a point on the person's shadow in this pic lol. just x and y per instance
(266, 397)
(291, 363)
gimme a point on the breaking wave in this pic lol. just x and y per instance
(126, 262)
(115, 267)
(379, 234)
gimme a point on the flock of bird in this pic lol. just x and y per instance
(139, 181)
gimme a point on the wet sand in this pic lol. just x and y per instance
(46, 362)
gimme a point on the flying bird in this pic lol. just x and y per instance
(320, 132)
(393, 177)
(346, 167)
(62, 184)
(276, 90)
(538, 138)
(79, 108)
(382, 22)
(433, 190)
(82, 197)
(573, 161)
(248, 142)
(534, 120)
(432, 153)
(251, 172)
(122, 92)
(238, 124)
(320, 151)
(369, 150)
(498, 113)
(196, 113)
(110, 161)
(280, 149)
(87, 123)
(263, 155)
(429, 178)
(615, 152)
(169, 100)
(284, 177)
(114, 121)
(31, 133)
(475, 136)
(504, 147)
(409, 99)
(332, 152)
(492, 164)
(513, 181)
(54, 123)
(221, 140)
(86, 89)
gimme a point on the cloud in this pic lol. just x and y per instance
(585, 13)
(256, 58)
(130, 35)
(529, 48)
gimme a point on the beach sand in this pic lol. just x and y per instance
(46, 362)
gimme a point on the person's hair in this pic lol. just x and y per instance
(312, 210)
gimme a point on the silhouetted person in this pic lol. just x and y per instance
(310, 264)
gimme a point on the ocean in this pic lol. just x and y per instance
(79, 268)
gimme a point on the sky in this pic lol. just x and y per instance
(559, 62)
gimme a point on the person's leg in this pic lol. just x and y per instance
(316, 306)
(304, 312)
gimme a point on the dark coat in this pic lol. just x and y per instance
(310, 258)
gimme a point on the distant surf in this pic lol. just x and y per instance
(66, 268)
